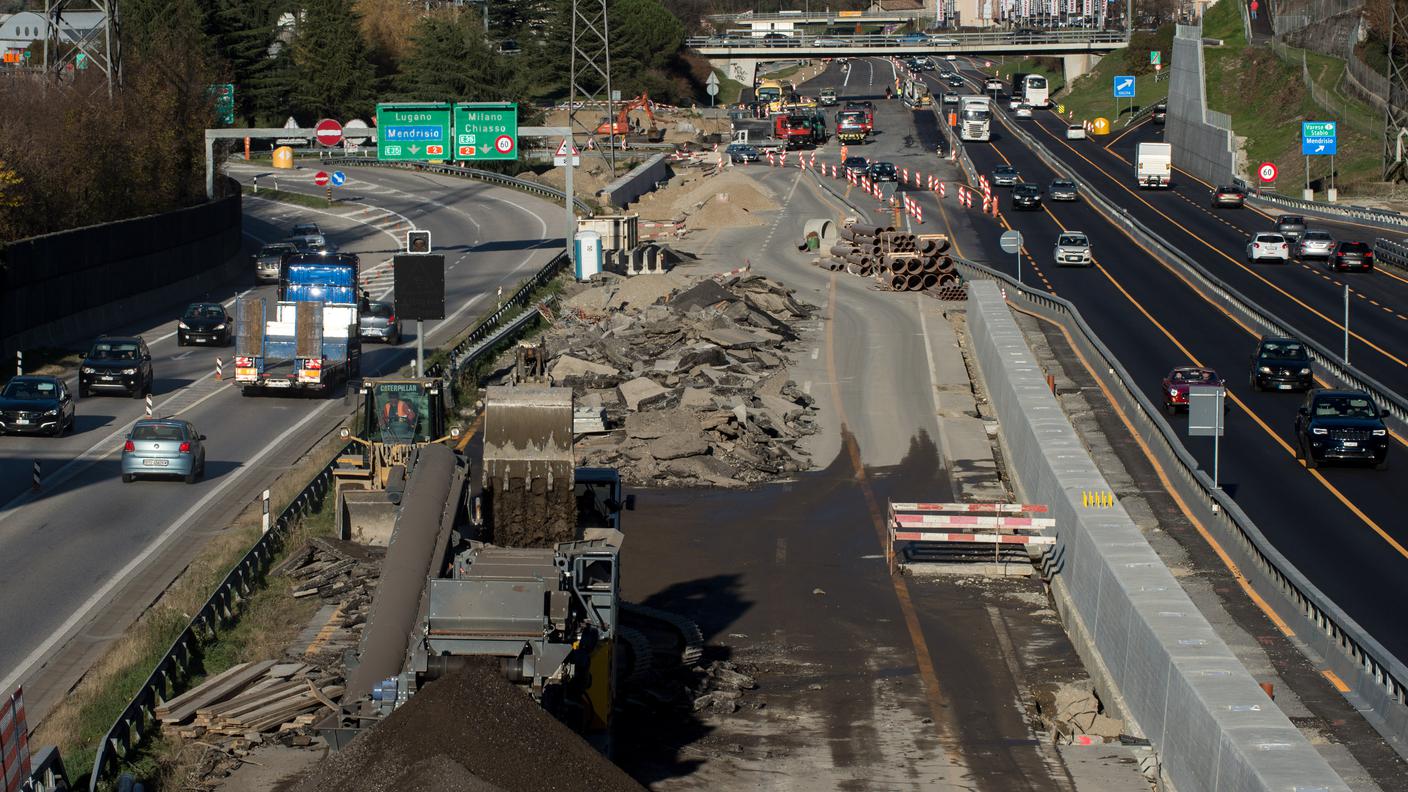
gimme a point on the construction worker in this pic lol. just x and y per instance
(398, 411)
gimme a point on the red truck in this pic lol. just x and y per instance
(795, 129)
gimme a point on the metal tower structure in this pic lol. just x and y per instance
(71, 45)
(1396, 104)
(590, 75)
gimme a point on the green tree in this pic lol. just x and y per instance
(332, 75)
(153, 28)
(645, 43)
(450, 60)
(243, 33)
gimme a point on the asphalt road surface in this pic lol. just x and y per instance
(86, 554)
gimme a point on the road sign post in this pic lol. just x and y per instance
(1123, 89)
(320, 178)
(1317, 139)
(486, 131)
(1011, 242)
(711, 87)
(1206, 415)
(413, 132)
(1267, 172)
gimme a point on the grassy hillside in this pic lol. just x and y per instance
(1091, 95)
(1267, 99)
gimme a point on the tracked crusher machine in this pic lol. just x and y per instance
(526, 571)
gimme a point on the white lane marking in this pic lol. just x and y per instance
(124, 575)
(846, 78)
(349, 217)
(99, 451)
(945, 454)
(870, 64)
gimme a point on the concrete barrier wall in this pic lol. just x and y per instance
(62, 286)
(1202, 140)
(638, 182)
(1172, 676)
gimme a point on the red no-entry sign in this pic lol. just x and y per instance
(320, 178)
(328, 132)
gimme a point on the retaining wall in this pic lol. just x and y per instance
(60, 287)
(1213, 727)
(638, 182)
(1202, 139)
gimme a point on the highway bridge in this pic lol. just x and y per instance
(738, 55)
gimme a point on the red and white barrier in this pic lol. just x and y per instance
(1003, 524)
(14, 742)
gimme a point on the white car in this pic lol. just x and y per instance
(1014, 103)
(951, 57)
(1075, 132)
(1072, 250)
(1267, 245)
(1024, 111)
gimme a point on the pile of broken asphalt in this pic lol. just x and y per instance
(691, 374)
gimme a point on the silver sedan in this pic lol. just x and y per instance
(1315, 244)
(163, 447)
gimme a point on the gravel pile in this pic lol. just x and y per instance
(470, 729)
(691, 375)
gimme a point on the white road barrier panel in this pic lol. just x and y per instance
(219, 369)
(149, 405)
(19, 364)
(34, 485)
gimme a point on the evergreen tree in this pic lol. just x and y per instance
(645, 41)
(332, 74)
(152, 28)
(451, 61)
(244, 32)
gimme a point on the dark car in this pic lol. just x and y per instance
(859, 104)
(1229, 195)
(855, 165)
(1290, 226)
(1026, 196)
(1341, 426)
(313, 244)
(1005, 176)
(1177, 382)
(378, 320)
(306, 229)
(205, 323)
(36, 405)
(742, 152)
(117, 363)
(1353, 255)
(268, 259)
(1160, 114)
(883, 171)
(1281, 364)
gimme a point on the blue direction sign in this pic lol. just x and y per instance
(1124, 86)
(338, 178)
(1318, 138)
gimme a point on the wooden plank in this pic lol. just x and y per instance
(242, 704)
(286, 670)
(215, 693)
(166, 707)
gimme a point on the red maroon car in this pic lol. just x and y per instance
(1177, 382)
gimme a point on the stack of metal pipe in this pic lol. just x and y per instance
(897, 260)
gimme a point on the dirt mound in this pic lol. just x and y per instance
(475, 721)
(730, 198)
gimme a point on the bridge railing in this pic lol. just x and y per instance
(937, 43)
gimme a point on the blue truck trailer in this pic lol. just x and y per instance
(308, 342)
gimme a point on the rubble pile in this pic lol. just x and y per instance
(1072, 711)
(691, 375)
(897, 261)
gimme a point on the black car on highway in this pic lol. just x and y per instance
(36, 405)
(205, 323)
(884, 172)
(1353, 255)
(116, 363)
(1341, 425)
(742, 152)
(1281, 363)
(1160, 114)
(856, 166)
(1026, 196)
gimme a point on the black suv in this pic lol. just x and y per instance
(205, 323)
(1160, 114)
(883, 172)
(117, 363)
(1341, 425)
(1026, 196)
(1281, 364)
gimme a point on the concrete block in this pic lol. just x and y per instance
(641, 392)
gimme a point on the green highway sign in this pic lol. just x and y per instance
(1155, 57)
(486, 131)
(224, 103)
(413, 131)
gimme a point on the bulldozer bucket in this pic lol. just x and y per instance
(528, 465)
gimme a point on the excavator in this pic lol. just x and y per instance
(621, 128)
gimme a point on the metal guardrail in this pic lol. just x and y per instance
(1394, 254)
(1324, 207)
(138, 718)
(531, 187)
(46, 773)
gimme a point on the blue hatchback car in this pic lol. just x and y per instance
(165, 447)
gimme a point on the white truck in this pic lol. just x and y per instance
(975, 118)
(1153, 165)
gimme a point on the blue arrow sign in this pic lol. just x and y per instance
(1124, 86)
(338, 178)
(1319, 138)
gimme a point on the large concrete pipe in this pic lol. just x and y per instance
(898, 281)
(928, 280)
(913, 282)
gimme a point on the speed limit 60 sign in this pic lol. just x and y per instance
(1267, 172)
